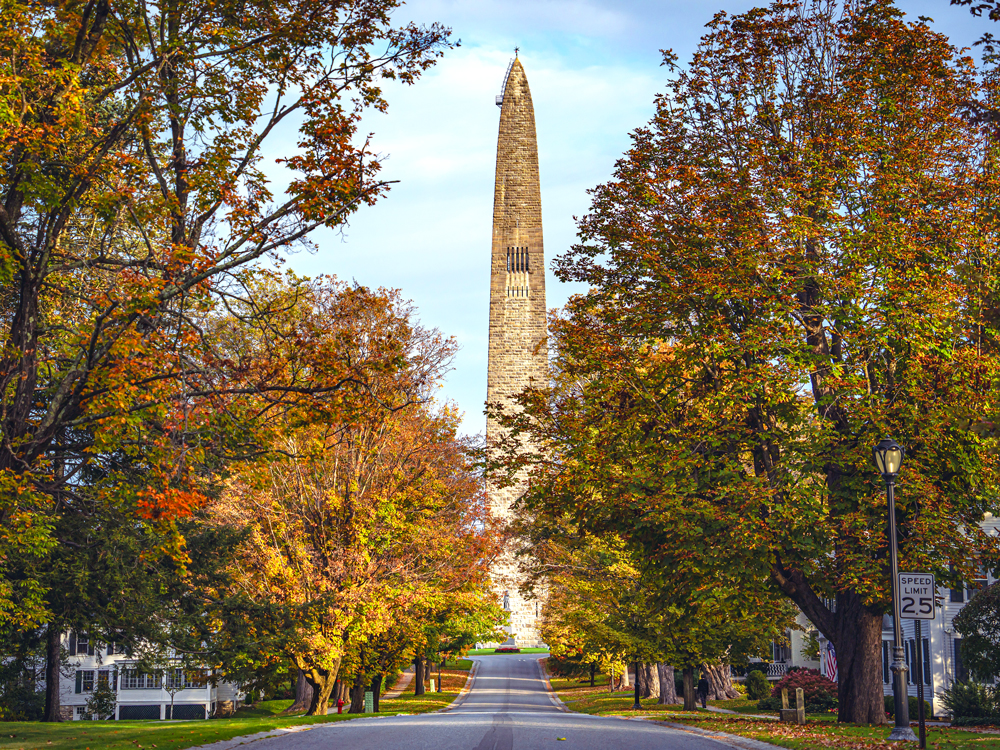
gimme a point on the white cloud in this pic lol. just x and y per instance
(593, 71)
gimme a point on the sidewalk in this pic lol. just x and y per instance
(404, 682)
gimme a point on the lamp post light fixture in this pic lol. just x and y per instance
(888, 456)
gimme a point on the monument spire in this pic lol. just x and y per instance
(517, 350)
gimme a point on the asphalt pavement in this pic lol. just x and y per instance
(508, 708)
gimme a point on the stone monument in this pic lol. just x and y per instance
(517, 342)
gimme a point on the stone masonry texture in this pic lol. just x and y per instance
(517, 340)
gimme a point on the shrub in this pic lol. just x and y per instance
(769, 704)
(971, 721)
(101, 704)
(757, 686)
(821, 704)
(20, 703)
(890, 707)
(817, 688)
(970, 700)
(979, 625)
(507, 650)
(740, 688)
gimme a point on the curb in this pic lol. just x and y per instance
(466, 689)
(555, 699)
(244, 739)
(733, 740)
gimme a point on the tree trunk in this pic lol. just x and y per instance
(624, 683)
(689, 696)
(593, 670)
(376, 689)
(322, 682)
(342, 693)
(720, 682)
(418, 675)
(303, 695)
(668, 688)
(358, 695)
(640, 680)
(650, 681)
(428, 666)
(859, 660)
(53, 660)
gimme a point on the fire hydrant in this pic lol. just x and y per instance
(340, 705)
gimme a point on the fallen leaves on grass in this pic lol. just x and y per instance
(825, 735)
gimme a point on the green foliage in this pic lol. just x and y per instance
(769, 704)
(101, 704)
(758, 686)
(971, 701)
(810, 649)
(979, 625)
(912, 706)
(21, 703)
(22, 660)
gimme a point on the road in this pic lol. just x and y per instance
(508, 708)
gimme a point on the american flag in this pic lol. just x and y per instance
(831, 662)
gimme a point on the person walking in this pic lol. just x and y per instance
(703, 691)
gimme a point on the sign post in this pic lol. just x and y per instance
(916, 598)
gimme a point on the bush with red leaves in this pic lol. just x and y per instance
(816, 687)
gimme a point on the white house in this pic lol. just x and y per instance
(139, 695)
(940, 652)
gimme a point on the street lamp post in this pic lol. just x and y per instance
(888, 458)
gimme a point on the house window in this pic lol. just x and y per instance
(886, 673)
(979, 582)
(179, 679)
(80, 644)
(957, 595)
(133, 680)
(84, 680)
(961, 673)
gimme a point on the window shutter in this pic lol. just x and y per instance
(72, 644)
(927, 660)
(79, 681)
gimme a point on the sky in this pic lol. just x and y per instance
(594, 70)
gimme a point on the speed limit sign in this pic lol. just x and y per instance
(916, 596)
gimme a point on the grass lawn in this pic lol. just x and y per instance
(488, 651)
(262, 717)
(579, 696)
(742, 706)
(463, 664)
(97, 735)
(822, 735)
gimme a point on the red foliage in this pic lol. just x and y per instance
(507, 650)
(810, 680)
